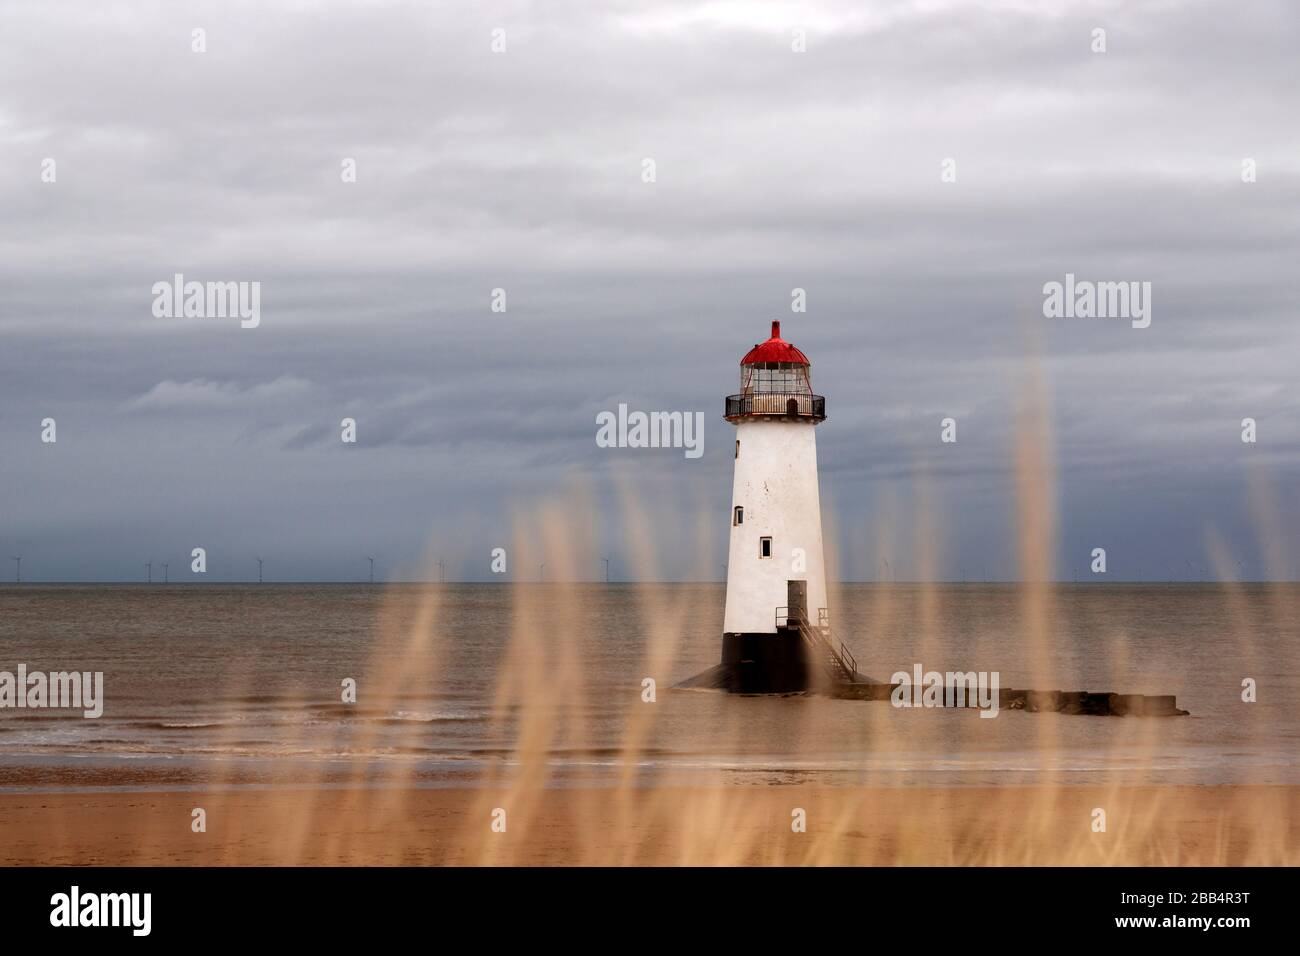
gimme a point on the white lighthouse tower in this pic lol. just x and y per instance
(776, 628)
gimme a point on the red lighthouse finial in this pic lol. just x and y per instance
(775, 349)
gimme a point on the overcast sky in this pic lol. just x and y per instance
(523, 170)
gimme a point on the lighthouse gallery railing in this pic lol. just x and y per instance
(792, 404)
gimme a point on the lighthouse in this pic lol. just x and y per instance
(776, 627)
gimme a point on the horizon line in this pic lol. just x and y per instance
(488, 581)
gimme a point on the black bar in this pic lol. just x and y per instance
(941, 907)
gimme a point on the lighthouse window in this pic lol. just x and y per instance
(737, 447)
(764, 547)
(740, 515)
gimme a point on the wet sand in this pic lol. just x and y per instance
(1227, 825)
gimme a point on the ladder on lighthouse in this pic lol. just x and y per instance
(834, 657)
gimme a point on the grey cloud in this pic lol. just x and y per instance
(201, 395)
(521, 171)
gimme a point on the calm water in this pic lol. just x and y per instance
(242, 684)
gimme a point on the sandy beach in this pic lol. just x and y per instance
(739, 826)
(458, 721)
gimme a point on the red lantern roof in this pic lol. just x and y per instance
(775, 349)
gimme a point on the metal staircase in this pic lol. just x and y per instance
(831, 655)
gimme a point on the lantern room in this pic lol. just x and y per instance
(775, 382)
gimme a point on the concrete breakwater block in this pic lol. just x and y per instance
(1145, 705)
(1089, 703)
(1105, 704)
(861, 690)
(1092, 704)
(1011, 699)
(1043, 701)
(1083, 702)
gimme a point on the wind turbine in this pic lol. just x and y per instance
(164, 567)
(259, 570)
(442, 572)
(372, 568)
(149, 566)
(18, 570)
(606, 560)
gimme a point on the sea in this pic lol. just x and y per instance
(248, 686)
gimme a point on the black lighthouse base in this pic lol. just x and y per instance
(766, 663)
(754, 663)
(786, 662)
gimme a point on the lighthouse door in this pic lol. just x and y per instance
(796, 599)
